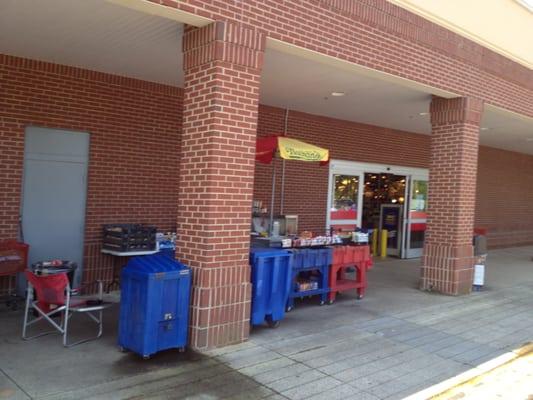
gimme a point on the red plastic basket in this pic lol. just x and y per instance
(13, 257)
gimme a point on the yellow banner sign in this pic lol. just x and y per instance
(292, 149)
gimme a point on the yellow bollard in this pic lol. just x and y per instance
(384, 239)
(375, 234)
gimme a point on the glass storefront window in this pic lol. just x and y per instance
(418, 211)
(345, 196)
(419, 198)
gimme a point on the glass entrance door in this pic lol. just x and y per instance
(415, 217)
(345, 202)
(358, 190)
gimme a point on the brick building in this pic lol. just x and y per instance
(172, 97)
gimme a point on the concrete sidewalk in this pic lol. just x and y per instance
(393, 343)
(511, 379)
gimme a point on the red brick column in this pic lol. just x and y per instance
(447, 263)
(222, 65)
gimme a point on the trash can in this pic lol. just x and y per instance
(480, 258)
(154, 305)
(271, 282)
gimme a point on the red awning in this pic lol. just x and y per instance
(265, 149)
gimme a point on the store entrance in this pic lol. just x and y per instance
(380, 189)
(362, 197)
(383, 202)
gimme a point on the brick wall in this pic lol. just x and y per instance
(504, 195)
(134, 131)
(384, 37)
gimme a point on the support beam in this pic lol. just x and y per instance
(447, 263)
(222, 65)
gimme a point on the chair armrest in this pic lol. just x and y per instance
(100, 289)
(100, 284)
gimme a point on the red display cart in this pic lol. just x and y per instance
(345, 257)
(13, 259)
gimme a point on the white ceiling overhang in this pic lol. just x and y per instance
(145, 44)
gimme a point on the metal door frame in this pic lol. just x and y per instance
(406, 251)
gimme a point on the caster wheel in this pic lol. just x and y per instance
(271, 323)
(146, 357)
(181, 349)
(322, 303)
(330, 302)
(288, 309)
(122, 349)
(359, 296)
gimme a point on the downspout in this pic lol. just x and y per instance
(282, 193)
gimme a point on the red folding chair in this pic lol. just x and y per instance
(54, 300)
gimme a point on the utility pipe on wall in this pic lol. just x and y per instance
(282, 193)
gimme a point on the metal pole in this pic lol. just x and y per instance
(282, 194)
(273, 195)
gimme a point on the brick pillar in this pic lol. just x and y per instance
(447, 263)
(222, 65)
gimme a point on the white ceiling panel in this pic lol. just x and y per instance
(93, 34)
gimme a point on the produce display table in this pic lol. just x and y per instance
(310, 260)
(345, 257)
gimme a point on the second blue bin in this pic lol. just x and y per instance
(271, 283)
(308, 260)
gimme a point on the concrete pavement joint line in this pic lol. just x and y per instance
(471, 374)
(363, 390)
(265, 385)
(15, 383)
(302, 363)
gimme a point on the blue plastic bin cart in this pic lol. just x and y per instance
(154, 305)
(310, 260)
(271, 272)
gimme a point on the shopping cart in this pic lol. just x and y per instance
(13, 259)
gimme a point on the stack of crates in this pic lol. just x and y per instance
(154, 305)
(129, 237)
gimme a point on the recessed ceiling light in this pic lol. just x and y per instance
(337, 94)
(484, 128)
(423, 114)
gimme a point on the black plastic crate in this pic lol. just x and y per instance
(125, 247)
(129, 237)
(129, 230)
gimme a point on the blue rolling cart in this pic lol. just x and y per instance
(309, 261)
(271, 273)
